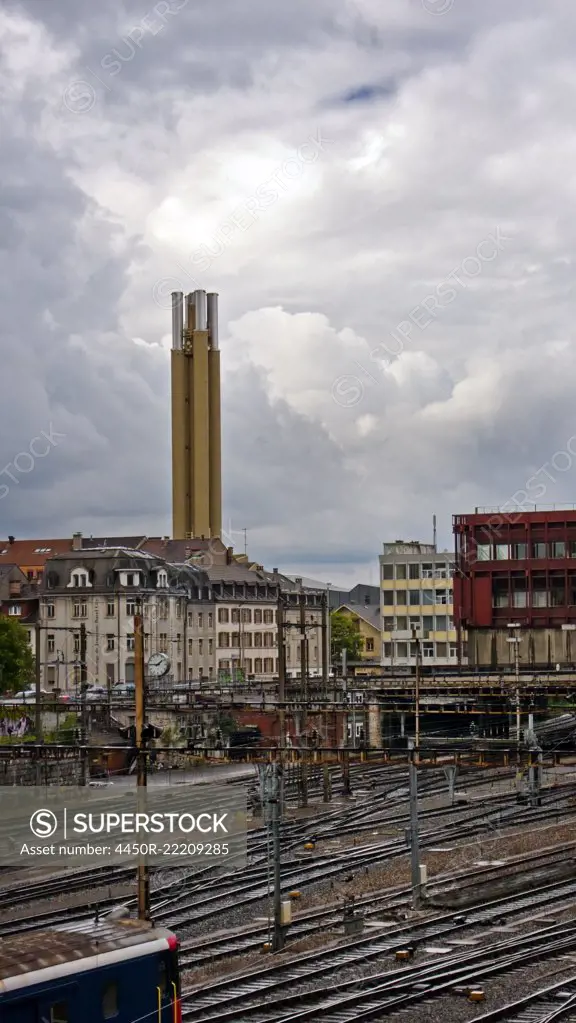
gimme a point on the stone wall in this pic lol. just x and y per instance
(24, 771)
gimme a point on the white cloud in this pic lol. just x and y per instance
(347, 421)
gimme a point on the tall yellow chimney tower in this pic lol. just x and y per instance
(196, 432)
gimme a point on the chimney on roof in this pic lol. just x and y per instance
(76, 541)
(229, 555)
(274, 571)
(10, 540)
(298, 582)
(15, 588)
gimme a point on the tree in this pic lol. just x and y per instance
(344, 635)
(16, 662)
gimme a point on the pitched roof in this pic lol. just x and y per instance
(32, 553)
(369, 614)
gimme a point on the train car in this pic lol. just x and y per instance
(90, 972)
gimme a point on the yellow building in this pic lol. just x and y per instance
(367, 623)
(417, 605)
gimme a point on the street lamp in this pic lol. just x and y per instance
(516, 641)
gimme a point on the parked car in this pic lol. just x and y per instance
(123, 689)
(96, 694)
(29, 694)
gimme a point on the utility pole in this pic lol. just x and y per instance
(143, 872)
(414, 830)
(303, 666)
(417, 694)
(325, 645)
(38, 667)
(281, 686)
(271, 777)
(516, 641)
(83, 707)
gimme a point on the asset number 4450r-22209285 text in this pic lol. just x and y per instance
(173, 849)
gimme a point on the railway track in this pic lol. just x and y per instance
(195, 953)
(240, 999)
(557, 1002)
(202, 894)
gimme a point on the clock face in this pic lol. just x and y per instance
(158, 665)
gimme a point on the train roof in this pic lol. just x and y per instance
(65, 946)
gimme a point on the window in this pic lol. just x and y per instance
(483, 552)
(388, 623)
(235, 639)
(268, 639)
(388, 650)
(247, 614)
(441, 649)
(427, 651)
(50, 610)
(162, 579)
(400, 571)
(442, 596)
(59, 1012)
(79, 611)
(200, 646)
(109, 641)
(502, 552)
(235, 616)
(110, 1001)
(387, 571)
(519, 551)
(76, 644)
(14, 609)
(401, 623)
(414, 570)
(51, 644)
(268, 665)
(442, 570)
(210, 619)
(428, 623)
(190, 646)
(400, 598)
(222, 614)
(258, 666)
(414, 596)
(79, 579)
(129, 640)
(370, 646)
(223, 639)
(258, 639)
(388, 598)
(538, 550)
(427, 571)
(163, 608)
(200, 620)
(428, 597)
(130, 608)
(402, 650)
(178, 608)
(268, 617)
(110, 609)
(163, 643)
(558, 549)
(441, 623)
(210, 646)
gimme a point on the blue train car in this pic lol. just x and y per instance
(91, 972)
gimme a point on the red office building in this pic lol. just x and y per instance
(515, 587)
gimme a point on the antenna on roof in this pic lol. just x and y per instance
(434, 530)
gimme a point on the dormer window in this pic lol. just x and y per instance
(162, 579)
(79, 579)
(130, 578)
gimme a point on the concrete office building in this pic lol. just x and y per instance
(416, 592)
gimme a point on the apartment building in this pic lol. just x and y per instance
(101, 589)
(214, 623)
(417, 605)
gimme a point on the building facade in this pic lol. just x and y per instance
(515, 586)
(217, 623)
(417, 605)
(367, 623)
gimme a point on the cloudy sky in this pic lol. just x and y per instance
(382, 193)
